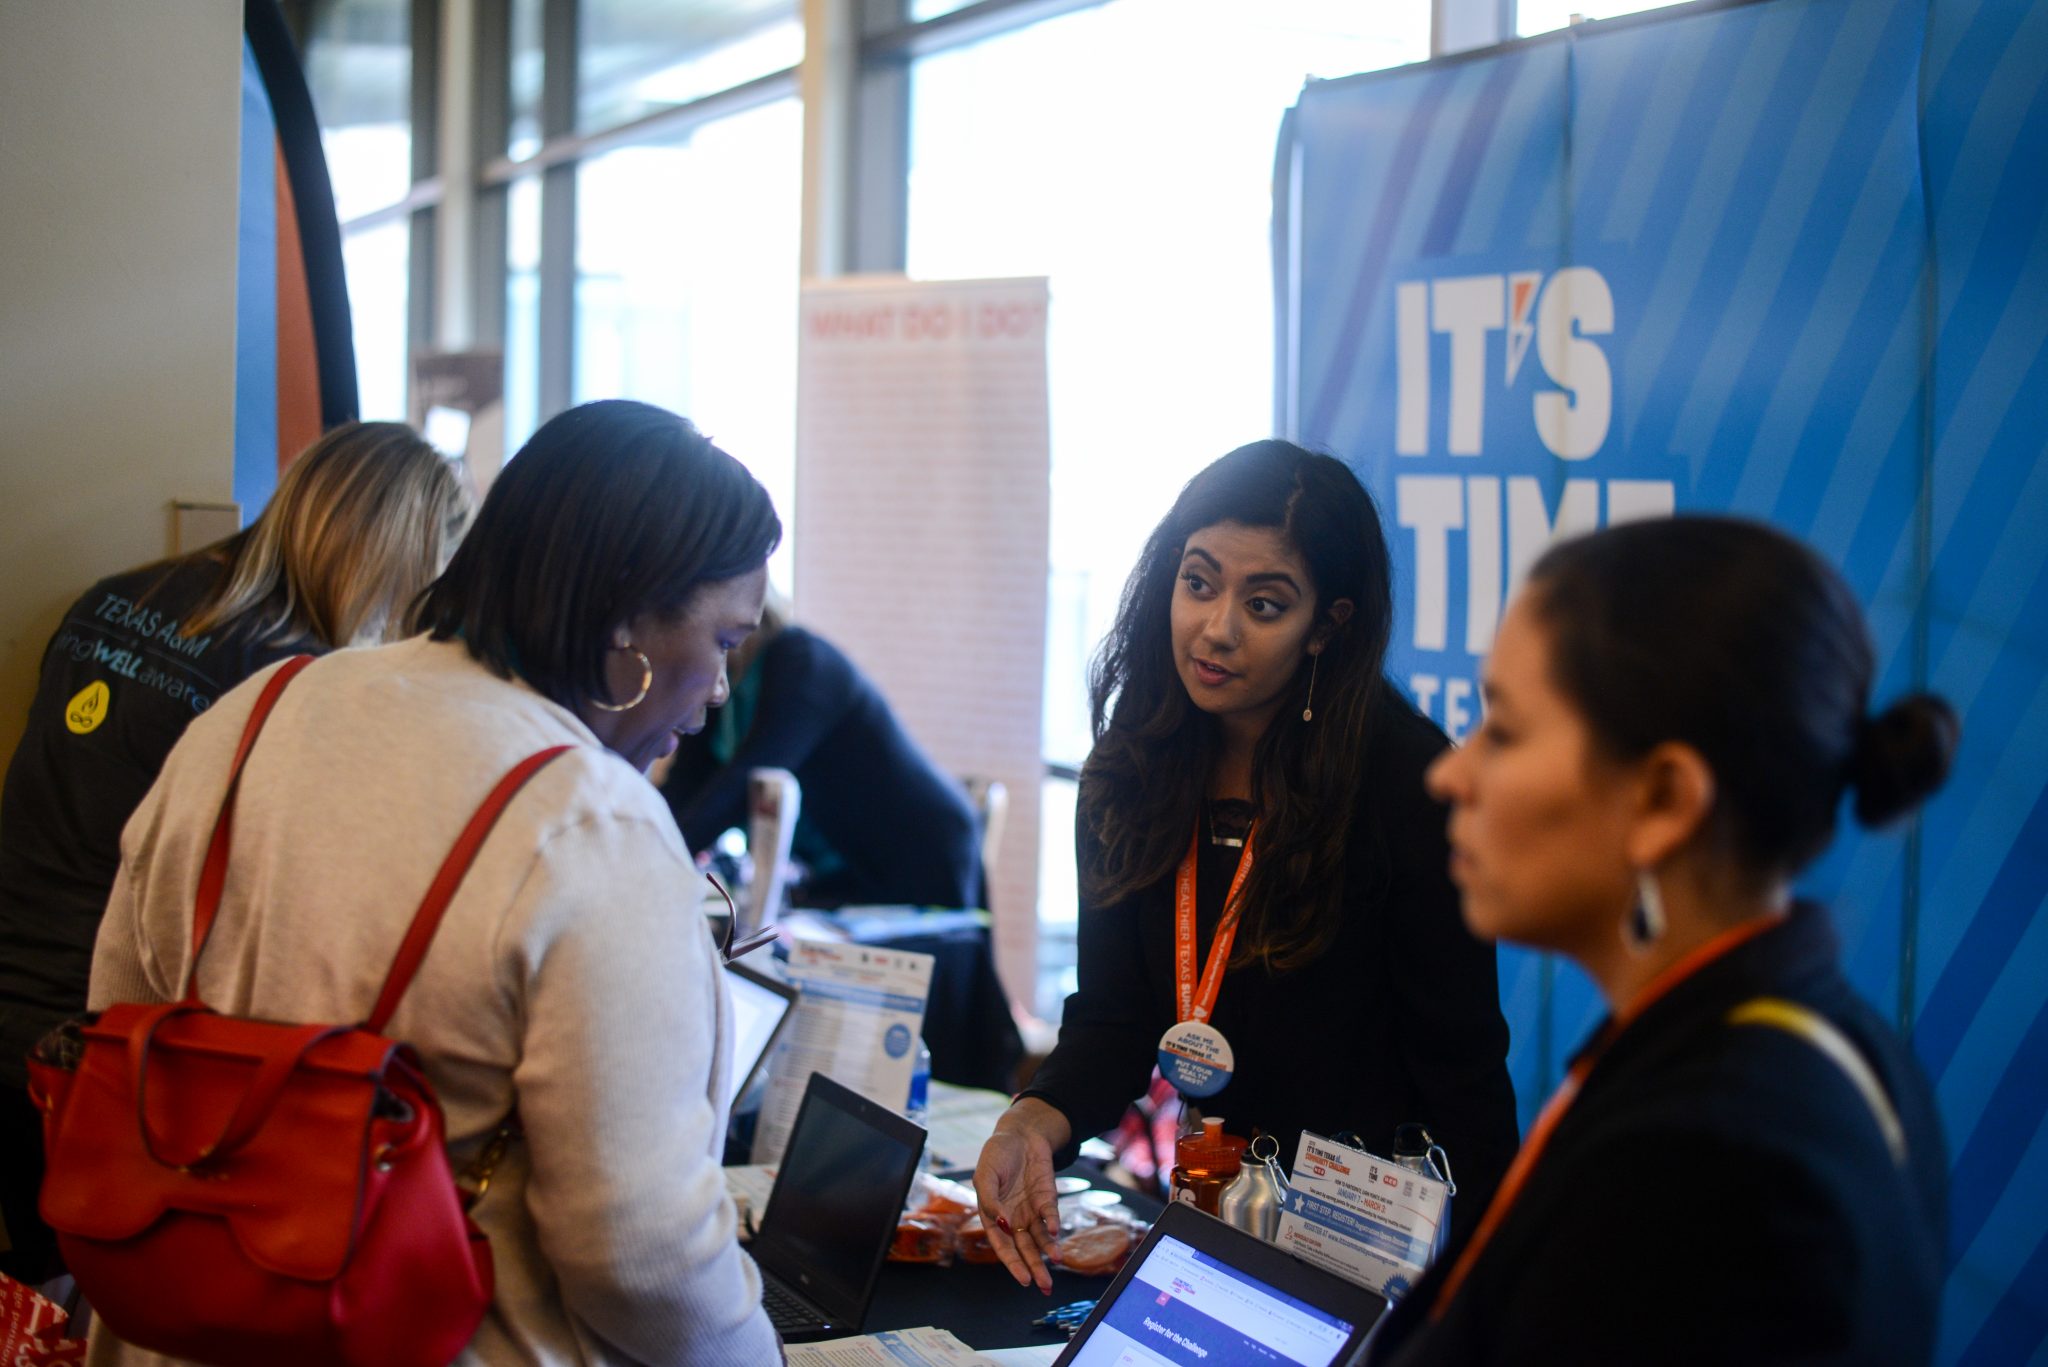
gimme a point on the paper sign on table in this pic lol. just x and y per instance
(1365, 1218)
(896, 1348)
(857, 1022)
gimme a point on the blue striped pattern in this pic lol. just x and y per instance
(1825, 227)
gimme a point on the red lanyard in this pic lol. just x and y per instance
(1199, 1005)
(1561, 1100)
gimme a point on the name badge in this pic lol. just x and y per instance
(1195, 1058)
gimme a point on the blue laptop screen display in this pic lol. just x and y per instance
(1185, 1308)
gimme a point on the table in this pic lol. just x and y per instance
(979, 1302)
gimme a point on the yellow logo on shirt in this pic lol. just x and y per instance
(88, 709)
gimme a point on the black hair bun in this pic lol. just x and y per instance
(1902, 756)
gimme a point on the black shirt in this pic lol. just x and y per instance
(118, 686)
(1398, 1021)
(1717, 1193)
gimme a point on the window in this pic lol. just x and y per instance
(378, 262)
(522, 312)
(359, 67)
(686, 285)
(641, 229)
(1127, 153)
(639, 57)
(1541, 16)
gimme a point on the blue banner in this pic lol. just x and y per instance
(1788, 259)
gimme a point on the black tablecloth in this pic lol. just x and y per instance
(978, 1302)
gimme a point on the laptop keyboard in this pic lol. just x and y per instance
(785, 1310)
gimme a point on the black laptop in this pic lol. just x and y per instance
(833, 1211)
(1198, 1291)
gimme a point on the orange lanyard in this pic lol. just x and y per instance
(1198, 1005)
(1561, 1100)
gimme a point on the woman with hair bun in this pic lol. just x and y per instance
(1744, 1163)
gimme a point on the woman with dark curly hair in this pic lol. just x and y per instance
(1264, 905)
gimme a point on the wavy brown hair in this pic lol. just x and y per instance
(1143, 784)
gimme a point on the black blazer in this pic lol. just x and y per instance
(1399, 1021)
(1718, 1193)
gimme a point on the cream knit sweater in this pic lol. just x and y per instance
(572, 975)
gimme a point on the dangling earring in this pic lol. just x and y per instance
(1645, 925)
(1308, 712)
(646, 682)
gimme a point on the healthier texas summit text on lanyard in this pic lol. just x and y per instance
(1193, 1055)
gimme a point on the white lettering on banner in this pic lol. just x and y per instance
(1574, 428)
(1482, 562)
(1411, 408)
(1468, 308)
(1454, 717)
(1636, 500)
(1574, 305)
(1435, 506)
(1425, 687)
(1432, 506)
(1457, 719)
(1531, 529)
(1507, 521)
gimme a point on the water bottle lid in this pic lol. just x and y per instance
(1412, 1140)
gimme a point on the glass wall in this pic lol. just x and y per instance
(359, 67)
(1140, 181)
(1541, 16)
(640, 57)
(640, 211)
(522, 311)
(686, 285)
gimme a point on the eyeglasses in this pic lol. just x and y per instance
(747, 946)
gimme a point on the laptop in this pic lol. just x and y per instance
(761, 1006)
(1199, 1291)
(833, 1210)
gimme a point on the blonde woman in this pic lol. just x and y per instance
(361, 522)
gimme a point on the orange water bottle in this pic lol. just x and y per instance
(1205, 1163)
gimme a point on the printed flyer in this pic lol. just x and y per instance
(1363, 1217)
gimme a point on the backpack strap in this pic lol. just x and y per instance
(427, 919)
(1817, 1030)
(213, 874)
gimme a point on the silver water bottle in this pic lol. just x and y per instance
(1417, 1152)
(1253, 1200)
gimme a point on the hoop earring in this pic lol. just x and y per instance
(646, 683)
(1645, 924)
(1308, 712)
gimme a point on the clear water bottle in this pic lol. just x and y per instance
(919, 1108)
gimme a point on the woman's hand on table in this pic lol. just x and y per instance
(1014, 1185)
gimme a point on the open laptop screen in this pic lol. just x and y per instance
(759, 1007)
(1227, 1304)
(838, 1191)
